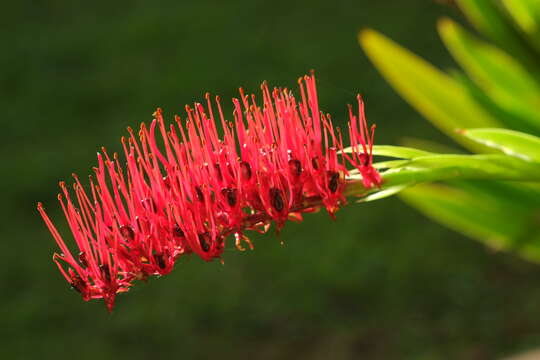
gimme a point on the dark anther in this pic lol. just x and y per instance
(204, 241)
(315, 162)
(82, 259)
(127, 232)
(245, 169)
(364, 159)
(78, 283)
(105, 271)
(333, 181)
(177, 231)
(295, 166)
(160, 261)
(199, 193)
(230, 195)
(220, 240)
(276, 199)
(218, 171)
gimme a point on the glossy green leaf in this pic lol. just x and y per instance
(448, 167)
(429, 145)
(488, 18)
(517, 118)
(437, 96)
(510, 142)
(526, 15)
(514, 194)
(383, 193)
(476, 215)
(389, 164)
(400, 152)
(498, 74)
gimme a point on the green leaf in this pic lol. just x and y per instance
(447, 167)
(400, 152)
(437, 96)
(498, 74)
(510, 142)
(488, 18)
(526, 15)
(478, 215)
(382, 194)
(429, 145)
(514, 194)
(516, 118)
(388, 164)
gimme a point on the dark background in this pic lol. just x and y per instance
(381, 282)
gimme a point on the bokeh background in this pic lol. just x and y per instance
(380, 282)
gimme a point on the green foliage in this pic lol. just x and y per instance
(436, 95)
(510, 142)
(487, 17)
(488, 108)
(526, 14)
(504, 80)
(479, 214)
(438, 167)
(400, 152)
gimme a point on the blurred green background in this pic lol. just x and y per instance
(381, 282)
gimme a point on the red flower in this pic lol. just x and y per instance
(194, 189)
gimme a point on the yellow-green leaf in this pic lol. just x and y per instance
(429, 145)
(488, 18)
(526, 15)
(517, 118)
(383, 193)
(501, 77)
(510, 142)
(455, 167)
(400, 152)
(495, 71)
(437, 96)
(477, 216)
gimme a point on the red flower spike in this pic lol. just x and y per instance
(185, 189)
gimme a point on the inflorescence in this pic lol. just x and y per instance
(195, 189)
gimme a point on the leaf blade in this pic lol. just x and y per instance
(513, 143)
(482, 218)
(434, 94)
(526, 15)
(493, 69)
(449, 167)
(489, 20)
(400, 152)
(498, 74)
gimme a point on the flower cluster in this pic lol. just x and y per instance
(185, 189)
